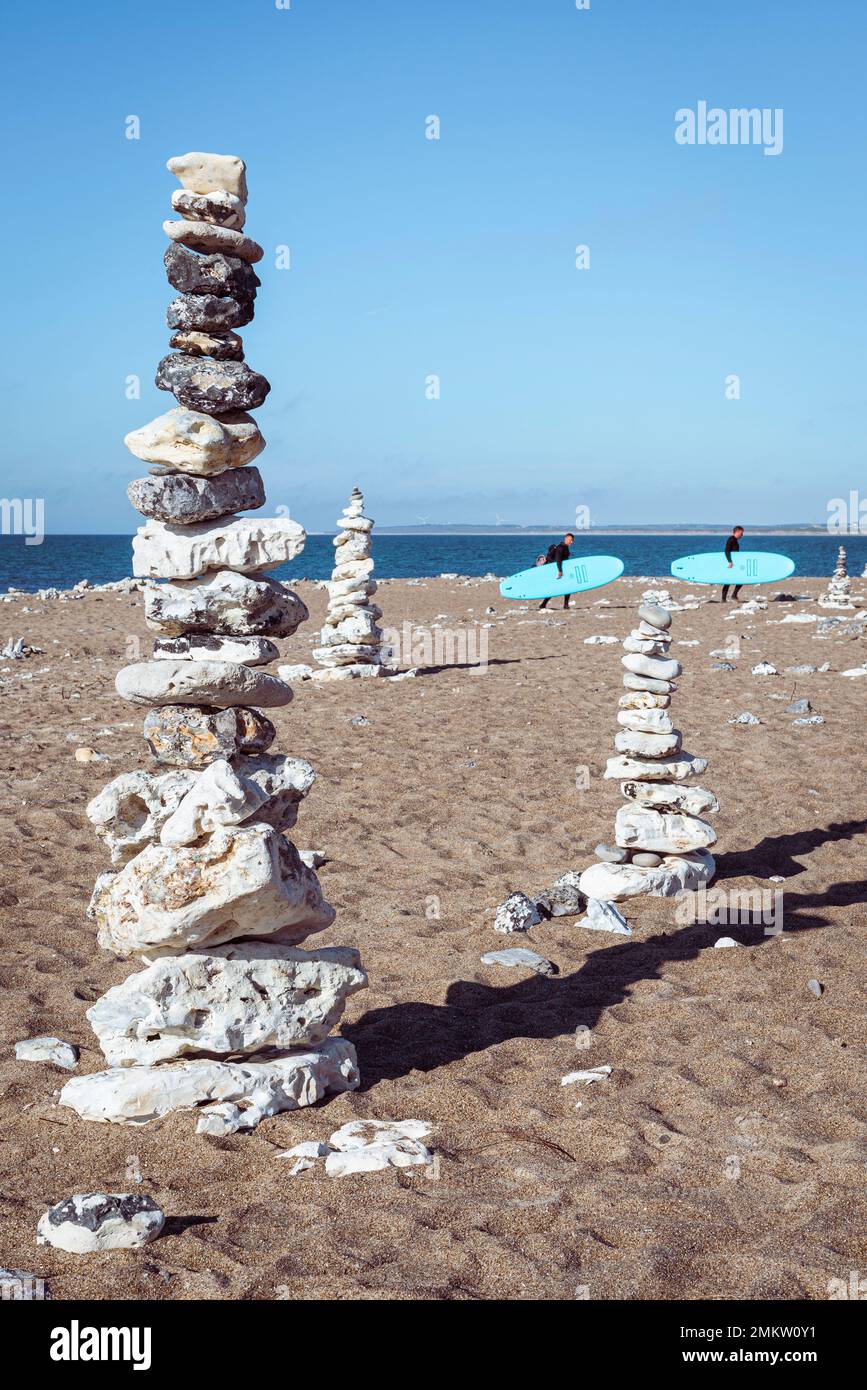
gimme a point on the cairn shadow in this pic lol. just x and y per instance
(779, 854)
(404, 1038)
(480, 667)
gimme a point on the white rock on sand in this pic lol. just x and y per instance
(662, 832)
(235, 1095)
(268, 787)
(47, 1049)
(88, 1222)
(674, 875)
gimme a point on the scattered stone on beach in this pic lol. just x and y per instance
(217, 274)
(184, 500)
(201, 173)
(89, 755)
(224, 602)
(745, 718)
(247, 544)
(243, 881)
(47, 1049)
(267, 788)
(192, 441)
(88, 1222)
(838, 593)
(305, 1155)
(207, 313)
(367, 1146)
(810, 719)
(602, 915)
(563, 899)
(215, 388)
(224, 347)
(238, 999)
(193, 736)
(233, 1095)
(313, 858)
(724, 942)
(519, 955)
(611, 854)
(221, 684)
(816, 988)
(804, 670)
(802, 706)
(249, 651)
(350, 636)
(217, 206)
(588, 1077)
(516, 913)
(660, 829)
(764, 668)
(131, 810)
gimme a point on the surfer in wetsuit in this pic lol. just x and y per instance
(733, 543)
(558, 554)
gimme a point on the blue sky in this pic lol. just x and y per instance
(410, 257)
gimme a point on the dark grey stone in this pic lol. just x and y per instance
(799, 707)
(215, 388)
(655, 615)
(193, 273)
(93, 1215)
(184, 499)
(563, 898)
(646, 859)
(207, 313)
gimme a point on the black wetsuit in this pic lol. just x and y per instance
(731, 544)
(559, 553)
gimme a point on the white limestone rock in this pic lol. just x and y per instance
(664, 832)
(643, 699)
(245, 651)
(646, 721)
(235, 999)
(222, 603)
(131, 810)
(519, 955)
(298, 671)
(222, 684)
(668, 796)
(47, 1049)
(88, 1222)
(647, 683)
(661, 770)
(588, 1077)
(188, 441)
(347, 654)
(366, 1146)
(248, 544)
(655, 668)
(604, 916)
(676, 874)
(360, 629)
(200, 172)
(517, 913)
(242, 881)
(305, 1155)
(268, 787)
(246, 1091)
(355, 672)
(643, 645)
(652, 745)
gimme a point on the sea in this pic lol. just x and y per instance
(61, 561)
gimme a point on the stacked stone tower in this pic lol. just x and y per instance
(661, 839)
(228, 1014)
(351, 642)
(838, 593)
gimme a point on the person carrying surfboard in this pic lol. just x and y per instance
(733, 543)
(556, 555)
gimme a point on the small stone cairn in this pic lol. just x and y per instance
(838, 593)
(227, 1015)
(661, 841)
(351, 642)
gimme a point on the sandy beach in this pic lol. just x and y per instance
(724, 1155)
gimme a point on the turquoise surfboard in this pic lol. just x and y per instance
(579, 573)
(748, 567)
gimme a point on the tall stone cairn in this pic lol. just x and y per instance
(228, 1015)
(661, 839)
(838, 593)
(351, 642)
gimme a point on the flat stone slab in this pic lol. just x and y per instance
(248, 544)
(519, 955)
(221, 684)
(247, 651)
(235, 1095)
(225, 603)
(676, 874)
